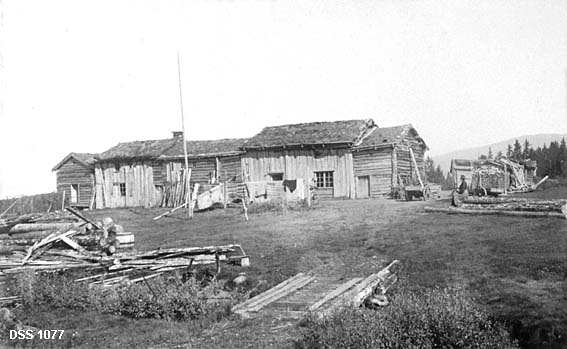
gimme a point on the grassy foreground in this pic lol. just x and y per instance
(513, 268)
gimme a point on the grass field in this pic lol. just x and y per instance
(515, 268)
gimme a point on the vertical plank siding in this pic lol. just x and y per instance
(139, 179)
(377, 164)
(71, 173)
(302, 163)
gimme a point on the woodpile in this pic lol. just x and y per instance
(82, 249)
(175, 193)
(503, 175)
(509, 206)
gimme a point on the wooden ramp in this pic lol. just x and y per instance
(305, 293)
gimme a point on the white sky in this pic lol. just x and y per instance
(84, 75)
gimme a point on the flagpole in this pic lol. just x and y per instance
(188, 196)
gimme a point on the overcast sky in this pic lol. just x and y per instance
(81, 76)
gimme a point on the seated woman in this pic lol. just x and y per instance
(460, 193)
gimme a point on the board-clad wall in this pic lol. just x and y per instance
(302, 163)
(74, 173)
(137, 178)
(377, 165)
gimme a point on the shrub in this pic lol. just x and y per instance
(439, 318)
(157, 298)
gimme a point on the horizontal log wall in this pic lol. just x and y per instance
(138, 178)
(205, 169)
(73, 172)
(202, 170)
(377, 165)
(231, 169)
(302, 163)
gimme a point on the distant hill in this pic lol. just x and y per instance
(473, 153)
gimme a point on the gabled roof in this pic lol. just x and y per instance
(389, 136)
(138, 150)
(85, 159)
(230, 146)
(314, 133)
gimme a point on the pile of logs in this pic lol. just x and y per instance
(510, 206)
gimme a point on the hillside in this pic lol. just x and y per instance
(473, 153)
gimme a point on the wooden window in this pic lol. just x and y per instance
(277, 176)
(324, 179)
(120, 189)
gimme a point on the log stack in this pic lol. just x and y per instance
(509, 206)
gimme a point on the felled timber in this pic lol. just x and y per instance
(518, 206)
(458, 210)
(498, 200)
(29, 227)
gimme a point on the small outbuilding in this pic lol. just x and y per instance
(75, 179)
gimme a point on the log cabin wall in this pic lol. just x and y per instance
(207, 171)
(126, 185)
(73, 173)
(231, 170)
(376, 165)
(258, 165)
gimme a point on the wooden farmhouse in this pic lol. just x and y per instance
(343, 159)
(75, 179)
(383, 160)
(352, 159)
(142, 173)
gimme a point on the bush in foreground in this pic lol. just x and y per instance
(157, 298)
(438, 318)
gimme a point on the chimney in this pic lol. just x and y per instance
(177, 134)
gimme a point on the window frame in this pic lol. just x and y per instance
(324, 179)
(276, 174)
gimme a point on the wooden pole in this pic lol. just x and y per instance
(225, 192)
(12, 205)
(63, 201)
(188, 172)
(416, 168)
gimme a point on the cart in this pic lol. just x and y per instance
(414, 191)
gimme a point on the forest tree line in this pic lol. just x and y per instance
(551, 160)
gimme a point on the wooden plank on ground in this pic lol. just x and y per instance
(267, 293)
(282, 293)
(335, 293)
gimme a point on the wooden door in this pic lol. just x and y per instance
(363, 187)
(74, 193)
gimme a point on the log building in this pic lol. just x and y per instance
(383, 160)
(75, 179)
(140, 173)
(352, 159)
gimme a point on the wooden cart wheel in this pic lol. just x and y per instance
(426, 194)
